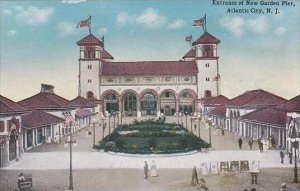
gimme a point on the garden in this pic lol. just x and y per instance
(151, 137)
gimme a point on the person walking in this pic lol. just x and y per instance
(281, 156)
(250, 142)
(260, 145)
(153, 169)
(146, 170)
(240, 141)
(291, 157)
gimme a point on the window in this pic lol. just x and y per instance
(208, 51)
(89, 80)
(207, 79)
(207, 93)
(207, 65)
(89, 66)
(89, 53)
(167, 94)
(90, 95)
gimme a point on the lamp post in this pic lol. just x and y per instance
(114, 115)
(191, 122)
(199, 123)
(94, 122)
(209, 124)
(294, 138)
(70, 141)
(185, 113)
(109, 123)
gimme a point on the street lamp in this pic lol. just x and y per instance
(70, 141)
(186, 114)
(94, 122)
(294, 138)
(199, 122)
(109, 123)
(208, 125)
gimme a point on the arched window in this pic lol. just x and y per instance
(89, 95)
(207, 93)
(111, 103)
(186, 102)
(208, 51)
(130, 104)
(148, 104)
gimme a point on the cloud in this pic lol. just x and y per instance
(7, 12)
(259, 25)
(150, 18)
(102, 31)
(123, 18)
(177, 24)
(280, 31)
(11, 33)
(66, 28)
(33, 15)
(234, 25)
(73, 1)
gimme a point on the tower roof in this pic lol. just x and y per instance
(206, 38)
(89, 40)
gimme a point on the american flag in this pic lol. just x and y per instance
(84, 23)
(199, 22)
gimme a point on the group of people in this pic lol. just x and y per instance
(250, 143)
(262, 144)
(290, 154)
(153, 170)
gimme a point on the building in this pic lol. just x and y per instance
(53, 104)
(151, 88)
(85, 109)
(11, 142)
(40, 127)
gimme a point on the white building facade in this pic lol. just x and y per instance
(148, 87)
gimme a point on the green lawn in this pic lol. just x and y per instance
(151, 137)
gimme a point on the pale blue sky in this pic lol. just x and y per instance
(38, 42)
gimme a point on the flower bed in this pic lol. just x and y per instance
(151, 136)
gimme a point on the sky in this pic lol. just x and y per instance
(38, 41)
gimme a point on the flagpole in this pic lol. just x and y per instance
(205, 22)
(90, 24)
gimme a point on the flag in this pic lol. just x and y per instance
(199, 22)
(84, 23)
(188, 38)
(217, 78)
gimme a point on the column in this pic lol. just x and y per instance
(25, 139)
(177, 107)
(158, 107)
(139, 114)
(279, 138)
(17, 150)
(120, 106)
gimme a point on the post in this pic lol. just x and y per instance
(94, 134)
(210, 135)
(186, 120)
(114, 121)
(191, 124)
(178, 117)
(295, 166)
(71, 170)
(121, 118)
(109, 124)
(199, 125)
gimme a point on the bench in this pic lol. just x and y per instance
(25, 182)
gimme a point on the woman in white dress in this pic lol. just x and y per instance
(153, 169)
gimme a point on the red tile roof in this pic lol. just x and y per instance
(190, 54)
(267, 115)
(291, 105)
(89, 40)
(8, 106)
(38, 118)
(106, 55)
(81, 102)
(45, 101)
(218, 100)
(83, 113)
(150, 68)
(206, 38)
(256, 98)
(218, 111)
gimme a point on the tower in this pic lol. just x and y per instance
(90, 66)
(207, 63)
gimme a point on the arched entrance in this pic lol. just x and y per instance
(187, 102)
(111, 103)
(168, 103)
(148, 104)
(130, 104)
